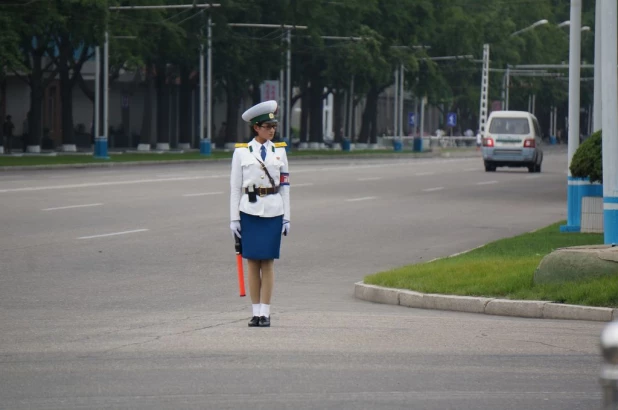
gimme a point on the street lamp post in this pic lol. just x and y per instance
(485, 78)
(609, 71)
(575, 185)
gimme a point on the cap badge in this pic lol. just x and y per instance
(271, 115)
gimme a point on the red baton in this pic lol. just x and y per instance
(239, 267)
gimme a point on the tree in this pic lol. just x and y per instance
(80, 27)
(35, 24)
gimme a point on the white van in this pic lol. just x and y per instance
(512, 139)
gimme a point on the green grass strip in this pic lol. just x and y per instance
(65, 159)
(505, 269)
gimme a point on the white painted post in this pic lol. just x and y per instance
(201, 104)
(574, 184)
(106, 87)
(609, 74)
(209, 84)
(422, 120)
(97, 91)
(598, 107)
(574, 77)
(288, 87)
(401, 113)
(484, 90)
(395, 103)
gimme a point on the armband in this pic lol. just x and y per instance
(284, 178)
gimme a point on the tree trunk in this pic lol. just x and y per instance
(184, 106)
(316, 106)
(305, 102)
(369, 115)
(256, 96)
(163, 134)
(66, 89)
(338, 115)
(233, 103)
(35, 124)
(146, 136)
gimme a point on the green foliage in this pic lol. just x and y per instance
(244, 57)
(505, 269)
(587, 162)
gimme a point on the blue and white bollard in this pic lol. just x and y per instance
(205, 147)
(397, 145)
(577, 189)
(100, 148)
(610, 220)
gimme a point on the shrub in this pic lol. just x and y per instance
(587, 162)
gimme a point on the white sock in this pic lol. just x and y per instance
(264, 310)
(256, 309)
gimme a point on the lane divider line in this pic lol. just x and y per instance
(487, 183)
(70, 207)
(367, 198)
(369, 179)
(440, 188)
(113, 234)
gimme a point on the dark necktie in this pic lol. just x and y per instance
(263, 153)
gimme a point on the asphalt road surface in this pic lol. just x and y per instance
(118, 290)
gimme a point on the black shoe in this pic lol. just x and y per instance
(255, 321)
(264, 321)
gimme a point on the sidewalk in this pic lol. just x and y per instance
(537, 309)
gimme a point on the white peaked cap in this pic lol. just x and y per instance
(264, 111)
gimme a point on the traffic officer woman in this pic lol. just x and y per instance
(260, 204)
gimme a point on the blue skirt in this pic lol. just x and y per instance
(261, 237)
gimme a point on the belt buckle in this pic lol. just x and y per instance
(262, 192)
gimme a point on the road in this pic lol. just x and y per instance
(118, 290)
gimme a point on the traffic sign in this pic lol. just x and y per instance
(411, 118)
(451, 119)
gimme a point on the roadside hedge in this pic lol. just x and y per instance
(587, 162)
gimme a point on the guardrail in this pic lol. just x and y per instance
(444, 141)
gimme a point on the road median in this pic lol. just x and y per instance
(488, 306)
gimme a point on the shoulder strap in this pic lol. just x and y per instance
(272, 181)
(280, 145)
(241, 145)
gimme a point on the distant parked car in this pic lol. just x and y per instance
(512, 139)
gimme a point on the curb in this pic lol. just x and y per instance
(428, 154)
(212, 160)
(537, 309)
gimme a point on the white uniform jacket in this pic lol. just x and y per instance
(247, 171)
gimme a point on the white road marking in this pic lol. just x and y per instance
(112, 234)
(98, 184)
(70, 207)
(440, 188)
(369, 179)
(203, 194)
(487, 183)
(472, 169)
(367, 198)
(420, 174)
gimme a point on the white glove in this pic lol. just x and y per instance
(285, 228)
(235, 227)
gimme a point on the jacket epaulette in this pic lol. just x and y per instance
(241, 145)
(280, 145)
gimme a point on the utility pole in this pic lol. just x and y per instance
(484, 90)
(609, 74)
(575, 186)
